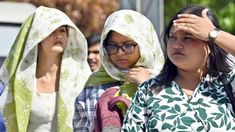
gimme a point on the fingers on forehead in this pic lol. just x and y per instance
(187, 16)
(184, 20)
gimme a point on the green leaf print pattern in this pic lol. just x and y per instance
(169, 111)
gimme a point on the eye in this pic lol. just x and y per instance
(188, 38)
(62, 30)
(172, 38)
(96, 52)
(111, 46)
(111, 49)
(128, 46)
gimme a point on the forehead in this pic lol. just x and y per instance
(174, 30)
(94, 46)
(61, 28)
(117, 37)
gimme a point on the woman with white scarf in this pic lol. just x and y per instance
(44, 72)
(130, 54)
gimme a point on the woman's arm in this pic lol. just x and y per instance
(200, 27)
(226, 41)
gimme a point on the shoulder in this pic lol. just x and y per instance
(96, 91)
(1, 87)
(150, 85)
(151, 82)
(230, 76)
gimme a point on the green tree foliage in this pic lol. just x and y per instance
(224, 9)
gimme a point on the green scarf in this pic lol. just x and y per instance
(126, 90)
(11, 63)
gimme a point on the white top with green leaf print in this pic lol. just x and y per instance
(209, 108)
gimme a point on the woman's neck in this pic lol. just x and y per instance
(48, 65)
(188, 81)
(48, 73)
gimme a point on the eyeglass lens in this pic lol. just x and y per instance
(127, 48)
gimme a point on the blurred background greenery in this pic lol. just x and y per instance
(224, 9)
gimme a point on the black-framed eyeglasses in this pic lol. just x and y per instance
(112, 48)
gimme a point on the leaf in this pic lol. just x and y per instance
(165, 96)
(233, 128)
(217, 115)
(206, 85)
(214, 96)
(163, 116)
(212, 122)
(187, 121)
(172, 110)
(177, 108)
(170, 100)
(153, 130)
(156, 105)
(137, 109)
(225, 120)
(222, 123)
(166, 126)
(169, 91)
(164, 107)
(177, 99)
(182, 127)
(175, 121)
(228, 126)
(206, 93)
(129, 19)
(136, 117)
(171, 116)
(202, 113)
(178, 120)
(221, 109)
(153, 123)
(149, 101)
(223, 101)
(199, 129)
(200, 101)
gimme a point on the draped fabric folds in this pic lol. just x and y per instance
(19, 69)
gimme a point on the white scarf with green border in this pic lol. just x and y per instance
(19, 69)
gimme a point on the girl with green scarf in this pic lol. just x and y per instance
(44, 72)
(130, 54)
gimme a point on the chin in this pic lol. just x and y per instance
(124, 68)
(58, 49)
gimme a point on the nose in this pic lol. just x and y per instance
(178, 44)
(58, 36)
(91, 56)
(120, 51)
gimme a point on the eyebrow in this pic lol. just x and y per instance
(126, 41)
(186, 33)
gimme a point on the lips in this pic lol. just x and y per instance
(92, 63)
(177, 53)
(122, 61)
(60, 43)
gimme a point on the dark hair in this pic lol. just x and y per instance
(93, 39)
(217, 57)
(107, 38)
(67, 29)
